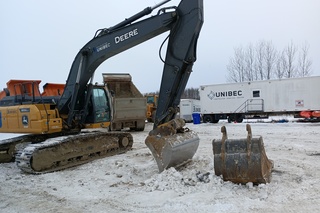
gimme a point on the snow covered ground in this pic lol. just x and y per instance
(131, 183)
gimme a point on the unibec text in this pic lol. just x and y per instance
(228, 93)
(125, 36)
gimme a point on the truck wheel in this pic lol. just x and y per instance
(207, 119)
(139, 126)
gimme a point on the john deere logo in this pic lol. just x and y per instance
(25, 120)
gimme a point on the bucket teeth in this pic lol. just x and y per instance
(241, 160)
(172, 145)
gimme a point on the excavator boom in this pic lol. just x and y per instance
(80, 106)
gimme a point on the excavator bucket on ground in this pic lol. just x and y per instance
(241, 160)
(171, 144)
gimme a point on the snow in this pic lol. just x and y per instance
(130, 182)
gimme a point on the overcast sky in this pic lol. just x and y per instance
(39, 39)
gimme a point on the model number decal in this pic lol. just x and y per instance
(126, 36)
(102, 47)
(24, 110)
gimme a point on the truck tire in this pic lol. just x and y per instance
(139, 126)
(115, 127)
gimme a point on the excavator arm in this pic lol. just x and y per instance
(180, 57)
(183, 22)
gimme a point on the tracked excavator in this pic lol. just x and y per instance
(64, 122)
(59, 125)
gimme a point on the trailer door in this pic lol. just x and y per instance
(255, 104)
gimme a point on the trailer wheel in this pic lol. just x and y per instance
(239, 120)
(207, 119)
(215, 121)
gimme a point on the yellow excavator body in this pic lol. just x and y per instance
(31, 119)
(47, 144)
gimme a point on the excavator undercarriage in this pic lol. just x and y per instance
(9, 147)
(55, 153)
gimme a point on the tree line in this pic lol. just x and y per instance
(263, 61)
(189, 93)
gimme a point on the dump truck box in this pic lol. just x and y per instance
(129, 105)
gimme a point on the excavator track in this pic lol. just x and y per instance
(67, 151)
(9, 147)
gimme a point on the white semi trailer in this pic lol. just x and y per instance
(259, 99)
(188, 107)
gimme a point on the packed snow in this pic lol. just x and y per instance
(131, 182)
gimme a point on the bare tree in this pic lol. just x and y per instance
(263, 61)
(289, 54)
(236, 66)
(270, 59)
(249, 59)
(260, 49)
(304, 64)
(191, 93)
(280, 63)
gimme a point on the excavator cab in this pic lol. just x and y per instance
(99, 107)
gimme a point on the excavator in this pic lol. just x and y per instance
(65, 127)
